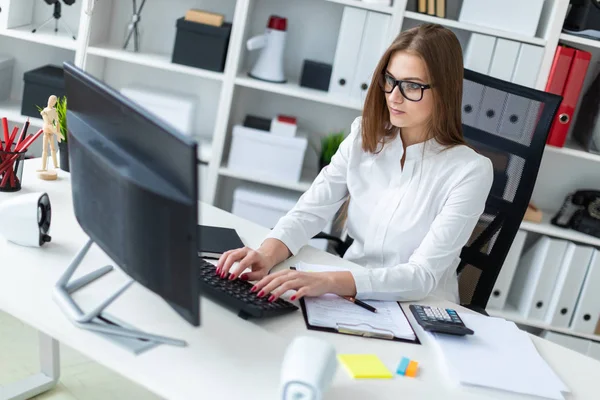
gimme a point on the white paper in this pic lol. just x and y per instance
(499, 356)
(333, 311)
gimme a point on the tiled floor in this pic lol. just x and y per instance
(80, 378)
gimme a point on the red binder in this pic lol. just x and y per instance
(576, 63)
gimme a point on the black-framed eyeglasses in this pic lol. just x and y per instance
(412, 91)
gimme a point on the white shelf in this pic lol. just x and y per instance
(510, 313)
(573, 149)
(302, 186)
(161, 61)
(11, 109)
(44, 36)
(450, 23)
(573, 39)
(293, 89)
(366, 6)
(546, 228)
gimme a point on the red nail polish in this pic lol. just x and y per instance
(254, 288)
(244, 277)
(218, 271)
(261, 293)
(293, 298)
(223, 274)
(271, 298)
(231, 277)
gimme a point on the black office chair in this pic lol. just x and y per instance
(509, 124)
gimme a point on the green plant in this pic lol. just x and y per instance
(61, 110)
(329, 145)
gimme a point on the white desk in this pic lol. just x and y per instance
(227, 357)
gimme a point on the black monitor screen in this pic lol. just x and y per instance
(135, 189)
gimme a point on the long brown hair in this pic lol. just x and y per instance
(439, 48)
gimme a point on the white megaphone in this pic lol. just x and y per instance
(269, 66)
(26, 219)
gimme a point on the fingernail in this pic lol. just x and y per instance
(293, 298)
(223, 274)
(254, 288)
(271, 298)
(218, 271)
(261, 293)
(244, 277)
(231, 277)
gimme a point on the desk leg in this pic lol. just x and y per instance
(41, 382)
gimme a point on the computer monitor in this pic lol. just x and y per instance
(135, 189)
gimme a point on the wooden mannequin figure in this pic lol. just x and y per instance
(50, 128)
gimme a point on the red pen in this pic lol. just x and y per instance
(5, 129)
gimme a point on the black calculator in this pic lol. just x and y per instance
(443, 320)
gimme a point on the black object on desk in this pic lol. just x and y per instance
(434, 319)
(236, 295)
(216, 240)
(39, 84)
(200, 45)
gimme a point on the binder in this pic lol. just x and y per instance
(440, 8)
(431, 7)
(504, 59)
(571, 93)
(479, 52)
(559, 70)
(505, 277)
(422, 6)
(471, 102)
(535, 277)
(527, 65)
(587, 310)
(568, 285)
(492, 106)
(346, 52)
(372, 47)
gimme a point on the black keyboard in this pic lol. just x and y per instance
(236, 295)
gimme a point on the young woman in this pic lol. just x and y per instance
(415, 190)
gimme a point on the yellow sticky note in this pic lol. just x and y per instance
(364, 366)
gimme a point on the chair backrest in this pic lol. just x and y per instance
(508, 123)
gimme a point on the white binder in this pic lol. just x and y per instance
(346, 52)
(504, 59)
(534, 279)
(373, 44)
(505, 277)
(492, 106)
(527, 65)
(471, 102)
(587, 309)
(568, 284)
(478, 55)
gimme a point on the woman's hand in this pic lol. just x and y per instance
(305, 283)
(258, 262)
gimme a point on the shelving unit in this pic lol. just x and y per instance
(510, 313)
(474, 28)
(225, 98)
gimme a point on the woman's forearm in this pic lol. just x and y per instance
(342, 283)
(275, 250)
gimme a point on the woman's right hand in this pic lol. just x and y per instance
(259, 263)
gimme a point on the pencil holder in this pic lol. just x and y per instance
(11, 168)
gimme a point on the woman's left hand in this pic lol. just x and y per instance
(305, 284)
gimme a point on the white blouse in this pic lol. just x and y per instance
(409, 224)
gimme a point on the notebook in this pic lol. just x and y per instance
(364, 366)
(333, 313)
(214, 241)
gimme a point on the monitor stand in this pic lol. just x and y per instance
(95, 320)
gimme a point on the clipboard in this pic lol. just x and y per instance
(355, 330)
